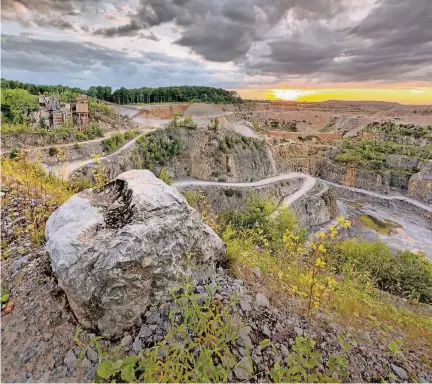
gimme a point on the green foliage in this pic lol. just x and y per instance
(262, 216)
(55, 136)
(117, 140)
(302, 366)
(174, 94)
(371, 154)
(163, 175)
(214, 124)
(157, 148)
(16, 105)
(97, 107)
(223, 146)
(52, 151)
(187, 122)
(403, 273)
(196, 348)
(29, 181)
(4, 295)
(395, 346)
(137, 95)
(36, 89)
(392, 128)
(14, 153)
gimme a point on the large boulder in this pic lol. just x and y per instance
(117, 249)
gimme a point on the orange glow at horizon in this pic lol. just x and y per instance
(420, 95)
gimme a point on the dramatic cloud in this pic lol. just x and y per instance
(239, 42)
(220, 30)
(393, 42)
(77, 62)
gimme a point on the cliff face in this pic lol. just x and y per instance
(220, 155)
(204, 153)
(364, 179)
(420, 184)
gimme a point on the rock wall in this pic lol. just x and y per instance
(317, 207)
(420, 184)
(200, 157)
(300, 157)
(402, 162)
(364, 179)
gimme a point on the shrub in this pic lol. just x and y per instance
(52, 151)
(93, 131)
(187, 122)
(163, 175)
(97, 107)
(14, 153)
(157, 148)
(117, 140)
(77, 146)
(403, 273)
(223, 146)
(262, 216)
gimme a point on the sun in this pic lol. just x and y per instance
(290, 94)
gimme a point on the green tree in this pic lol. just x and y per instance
(16, 105)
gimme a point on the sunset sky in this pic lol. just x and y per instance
(305, 50)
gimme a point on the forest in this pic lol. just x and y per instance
(131, 96)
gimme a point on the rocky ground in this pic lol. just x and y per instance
(39, 345)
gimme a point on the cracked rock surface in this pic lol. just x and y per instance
(116, 249)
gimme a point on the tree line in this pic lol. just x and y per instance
(131, 96)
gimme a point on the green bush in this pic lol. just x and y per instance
(223, 146)
(187, 122)
(157, 149)
(403, 273)
(392, 128)
(97, 107)
(52, 151)
(14, 153)
(263, 217)
(116, 140)
(163, 175)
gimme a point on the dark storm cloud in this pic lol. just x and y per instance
(86, 63)
(220, 30)
(394, 42)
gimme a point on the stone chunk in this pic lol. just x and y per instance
(262, 301)
(116, 249)
(400, 372)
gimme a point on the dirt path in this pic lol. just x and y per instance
(65, 170)
(381, 196)
(308, 184)
(109, 134)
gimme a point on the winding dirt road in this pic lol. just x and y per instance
(64, 171)
(308, 184)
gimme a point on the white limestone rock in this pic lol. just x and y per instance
(116, 249)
